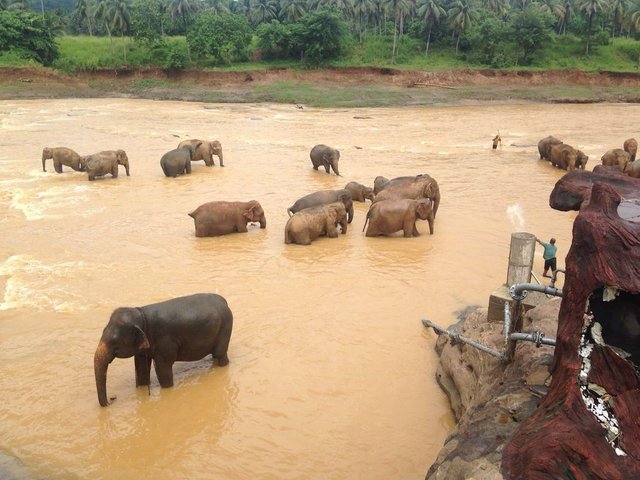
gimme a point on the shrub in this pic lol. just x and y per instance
(219, 38)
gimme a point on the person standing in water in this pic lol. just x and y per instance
(497, 140)
(549, 256)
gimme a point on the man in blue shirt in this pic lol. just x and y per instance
(549, 256)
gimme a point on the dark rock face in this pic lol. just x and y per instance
(587, 426)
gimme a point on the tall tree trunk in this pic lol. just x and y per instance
(589, 33)
(90, 29)
(184, 21)
(106, 24)
(426, 51)
(395, 36)
(124, 47)
(42, 7)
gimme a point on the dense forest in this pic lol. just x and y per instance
(182, 33)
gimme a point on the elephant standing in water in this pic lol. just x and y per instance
(107, 161)
(565, 156)
(310, 223)
(205, 151)
(219, 218)
(359, 192)
(324, 197)
(178, 161)
(422, 186)
(380, 182)
(62, 156)
(631, 147)
(388, 216)
(323, 155)
(615, 157)
(182, 329)
(544, 146)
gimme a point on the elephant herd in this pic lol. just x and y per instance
(569, 158)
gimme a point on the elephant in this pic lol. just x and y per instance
(359, 192)
(380, 183)
(633, 169)
(616, 157)
(220, 218)
(178, 161)
(631, 147)
(388, 216)
(322, 155)
(323, 197)
(544, 146)
(563, 156)
(205, 151)
(181, 329)
(581, 160)
(62, 156)
(107, 161)
(422, 186)
(310, 223)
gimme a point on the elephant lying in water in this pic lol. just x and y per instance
(62, 156)
(420, 186)
(389, 216)
(178, 161)
(205, 151)
(107, 161)
(324, 197)
(219, 218)
(310, 223)
(182, 329)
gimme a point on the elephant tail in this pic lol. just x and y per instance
(366, 220)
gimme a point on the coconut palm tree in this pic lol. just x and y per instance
(620, 11)
(121, 20)
(218, 6)
(554, 7)
(101, 13)
(590, 8)
(81, 10)
(499, 7)
(182, 9)
(292, 10)
(460, 17)
(263, 11)
(399, 8)
(361, 11)
(431, 12)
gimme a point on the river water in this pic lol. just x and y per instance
(331, 372)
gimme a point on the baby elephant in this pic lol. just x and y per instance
(389, 216)
(107, 161)
(310, 223)
(62, 156)
(182, 329)
(205, 151)
(359, 192)
(178, 161)
(219, 218)
(325, 156)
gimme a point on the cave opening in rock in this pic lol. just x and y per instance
(618, 312)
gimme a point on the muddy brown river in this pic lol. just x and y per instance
(331, 372)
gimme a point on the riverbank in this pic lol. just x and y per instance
(335, 87)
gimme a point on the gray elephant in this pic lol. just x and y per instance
(581, 160)
(633, 168)
(205, 151)
(631, 147)
(359, 192)
(62, 156)
(107, 161)
(322, 198)
(310, 223)
(616, 157)
(178, 161)
(220, 218)
(544, 146)
(389, 216)
(380, 183)
(323, 155)
(182, 329)
(564, 156)
(423, 186)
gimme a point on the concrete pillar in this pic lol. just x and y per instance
(522, 249)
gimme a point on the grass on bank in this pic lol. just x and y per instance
(79, 53)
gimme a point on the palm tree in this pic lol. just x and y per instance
(620, 10)
(292, 10)
(82, 12)
(399, 8)
(101, 12)
(182, 8)
(568, 8)
(361, 10)
(378, 14)
(460, 18)
(430, 11)
(554, 7)
(263, 11)
(590, 8)
(219, 6)
(120, 19)
(500, 7)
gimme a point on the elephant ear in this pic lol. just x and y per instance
(249, 213)
(141, 339)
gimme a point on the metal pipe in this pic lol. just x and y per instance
(463, 339)
(507, 323)
(518, 291)
(536, 337)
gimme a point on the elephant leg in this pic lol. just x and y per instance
(241, 228)
(209, 162)
(164, 371)
(187, 167)
(143, 369)
(409, 227)
(57, 165)
(220, 159)
(332, 231)
(327, 167)
(222, 345)
(114, 171)
(92, 177)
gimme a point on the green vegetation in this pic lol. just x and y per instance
(247, 34)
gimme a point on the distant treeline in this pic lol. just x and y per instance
(492, 33)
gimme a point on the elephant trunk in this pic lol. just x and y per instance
(44, 157)
(263, 221)
(334, 166)
(101, 361)
(126, 166)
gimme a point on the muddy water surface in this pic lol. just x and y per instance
(332, 372)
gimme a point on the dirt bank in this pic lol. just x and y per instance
(386, 86)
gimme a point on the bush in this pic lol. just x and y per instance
(219, 38)
(274, 40)
(176, 58)
(26, 34)
(320, 36)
